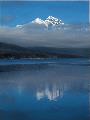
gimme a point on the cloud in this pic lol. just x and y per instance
(31, 34)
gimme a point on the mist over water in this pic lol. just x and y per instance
(45, 92)
(30, 35)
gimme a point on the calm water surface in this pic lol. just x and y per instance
(45, 89)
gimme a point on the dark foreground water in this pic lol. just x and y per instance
(44, 90)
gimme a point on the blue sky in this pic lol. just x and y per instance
(13, 13)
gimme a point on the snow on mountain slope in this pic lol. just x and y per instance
(49, 22)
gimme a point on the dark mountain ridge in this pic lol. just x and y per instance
(15, 51)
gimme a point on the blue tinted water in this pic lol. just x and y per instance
(59, 91)
(84, 61)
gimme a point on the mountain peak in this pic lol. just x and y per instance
(52, 18)
(38, 21)
(54, 21)
(49, 21)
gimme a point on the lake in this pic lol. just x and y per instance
(45, 89)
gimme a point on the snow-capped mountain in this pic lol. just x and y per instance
(48, 22)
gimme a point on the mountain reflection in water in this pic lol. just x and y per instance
(45, 92)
